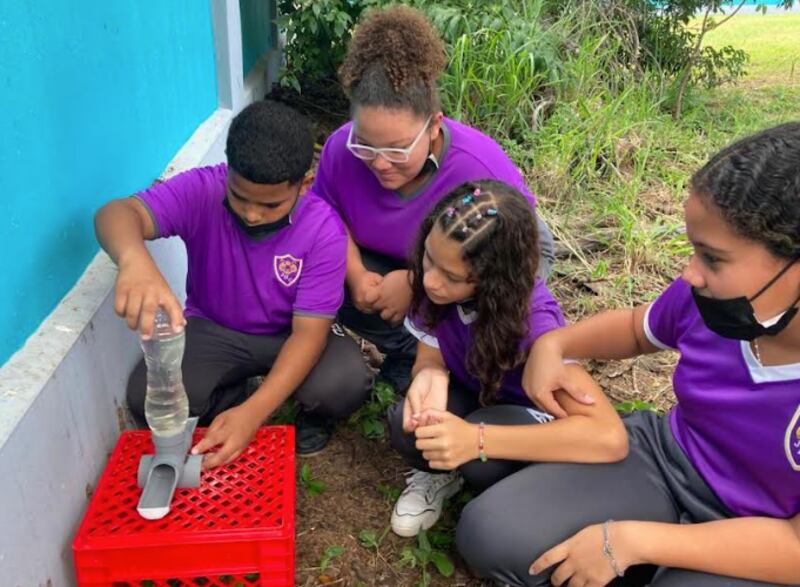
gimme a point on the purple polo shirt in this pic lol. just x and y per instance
(240, 283)
(737, 421)
(386, 222)
(453, 337)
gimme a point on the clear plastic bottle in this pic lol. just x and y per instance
(166, 406)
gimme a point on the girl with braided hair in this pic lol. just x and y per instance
(476, 309)
(386, 169)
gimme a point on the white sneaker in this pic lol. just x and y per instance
(420, 505)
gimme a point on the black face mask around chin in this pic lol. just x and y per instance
(735, 317)
(259, 231)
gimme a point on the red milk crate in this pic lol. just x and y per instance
(235, 530)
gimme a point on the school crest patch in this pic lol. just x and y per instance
(792, 441)
(287, 269)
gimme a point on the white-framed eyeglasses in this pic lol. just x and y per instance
(391, 154)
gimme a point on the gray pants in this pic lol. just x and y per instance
(463, 403)
(396, 340)
(218, 361)
(510, 525)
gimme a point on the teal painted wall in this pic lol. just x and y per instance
(258, 32)
(95, 98)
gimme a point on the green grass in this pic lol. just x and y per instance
(772, 40)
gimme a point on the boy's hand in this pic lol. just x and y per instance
(446, 441)
(428, 390)
(394, 296)
(364, 291)
(232, 430)
(140, 290)
(545, 372)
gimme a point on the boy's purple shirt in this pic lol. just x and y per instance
(251, 286)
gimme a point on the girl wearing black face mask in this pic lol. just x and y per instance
(709, 494)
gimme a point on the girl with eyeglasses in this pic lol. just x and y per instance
(386, 169)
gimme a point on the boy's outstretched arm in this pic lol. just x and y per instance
(234, 428)
(121, 227)
(616, 334)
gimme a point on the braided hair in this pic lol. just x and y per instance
(755, 184)
(495, 226)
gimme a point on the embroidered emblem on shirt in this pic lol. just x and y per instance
(792, 441)
(287, 269)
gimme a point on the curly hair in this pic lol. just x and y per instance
(497, 231)
(755, 184)
(269, 143)
(394, 60)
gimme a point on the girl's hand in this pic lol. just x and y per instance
(428, 390)
(446, 441)
(581, 560)
(394, 297)
(546, 373)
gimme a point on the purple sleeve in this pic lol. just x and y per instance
(324, 184)
(662, 321)
(320, 290)
(178, 204)
(545, 313)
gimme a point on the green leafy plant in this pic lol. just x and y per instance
(317, 32)
(330, 553)
(312, 486)
(424, 554)
(635, 406)
(369, 420)
(389, 492)
(371, 538)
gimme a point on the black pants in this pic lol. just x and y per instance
(464, 403)
(218, 361)
(502, 531)
(396, 340)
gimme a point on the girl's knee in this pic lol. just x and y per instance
(495, 547)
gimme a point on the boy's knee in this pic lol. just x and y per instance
(340, 382)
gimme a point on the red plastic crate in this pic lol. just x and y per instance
(235, 530)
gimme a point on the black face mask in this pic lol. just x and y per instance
(260, 231)
(735, 318)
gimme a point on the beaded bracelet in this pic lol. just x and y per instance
(608, 552)
(481, 442)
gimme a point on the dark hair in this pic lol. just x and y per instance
(394, 60)
(496, 228)
(270, 143)
(755, 184)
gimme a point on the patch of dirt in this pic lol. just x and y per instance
(361, 479)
